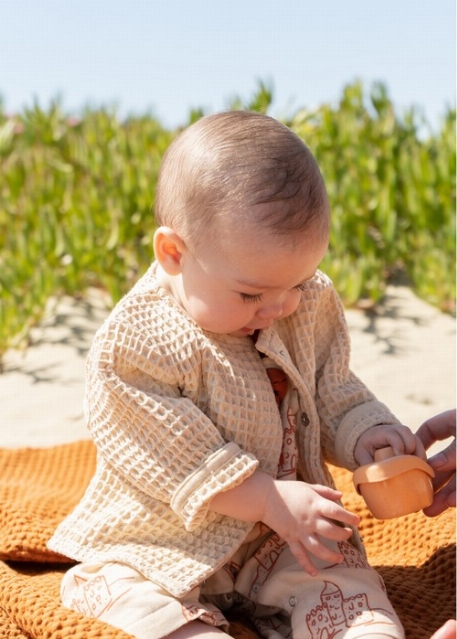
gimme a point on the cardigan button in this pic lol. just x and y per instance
(304, 420)
(292, 601)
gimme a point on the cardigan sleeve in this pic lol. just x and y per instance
(152, 435)
(345, 405)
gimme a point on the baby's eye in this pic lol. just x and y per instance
(300, 287)
(251, 298)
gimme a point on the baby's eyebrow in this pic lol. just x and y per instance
(252, 284)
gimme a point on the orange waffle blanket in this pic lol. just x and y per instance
(38, 487)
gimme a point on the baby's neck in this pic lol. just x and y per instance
(168, 283)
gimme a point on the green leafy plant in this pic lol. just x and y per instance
(391, 184)
(77, 201)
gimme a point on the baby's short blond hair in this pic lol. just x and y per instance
(244, 165)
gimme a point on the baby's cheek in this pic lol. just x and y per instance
(291, 304)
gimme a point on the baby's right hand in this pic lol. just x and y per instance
(305, 514)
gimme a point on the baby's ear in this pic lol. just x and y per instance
(168, 250)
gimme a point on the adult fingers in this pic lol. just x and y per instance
(445, 459)
(442, 500)
(437, 428)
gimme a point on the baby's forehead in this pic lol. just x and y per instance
(252, 216)
(247, 227)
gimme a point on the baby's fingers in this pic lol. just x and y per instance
(326, 492)
(333, 531)
(319, 549)
(312, 545)
(337, 513)
(301, 555)
(330, 509)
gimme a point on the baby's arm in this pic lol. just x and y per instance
(304, 515)
(160, 441)
(353, 422)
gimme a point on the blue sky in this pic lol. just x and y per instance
(169, 56)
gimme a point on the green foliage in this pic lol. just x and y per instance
(75, 208)
(77, 195)
(392, 193)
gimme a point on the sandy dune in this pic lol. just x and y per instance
(405, 353)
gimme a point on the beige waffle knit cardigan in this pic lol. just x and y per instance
(179, 414)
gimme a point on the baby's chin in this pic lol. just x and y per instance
(243, 332)
(239, 332)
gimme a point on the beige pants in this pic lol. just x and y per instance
(346, 601)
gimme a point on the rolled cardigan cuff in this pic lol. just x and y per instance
(224, 469)
(356, 422)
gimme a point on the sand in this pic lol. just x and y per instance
(405, 353)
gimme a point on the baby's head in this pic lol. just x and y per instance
(243, 221)
(239, 170)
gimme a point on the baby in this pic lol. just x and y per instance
(217, 390)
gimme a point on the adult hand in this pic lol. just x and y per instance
(448, 631)
(443, 463)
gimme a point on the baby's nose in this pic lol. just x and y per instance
(271, 311)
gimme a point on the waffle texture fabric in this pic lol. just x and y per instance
(179, 414)
(39, 487)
